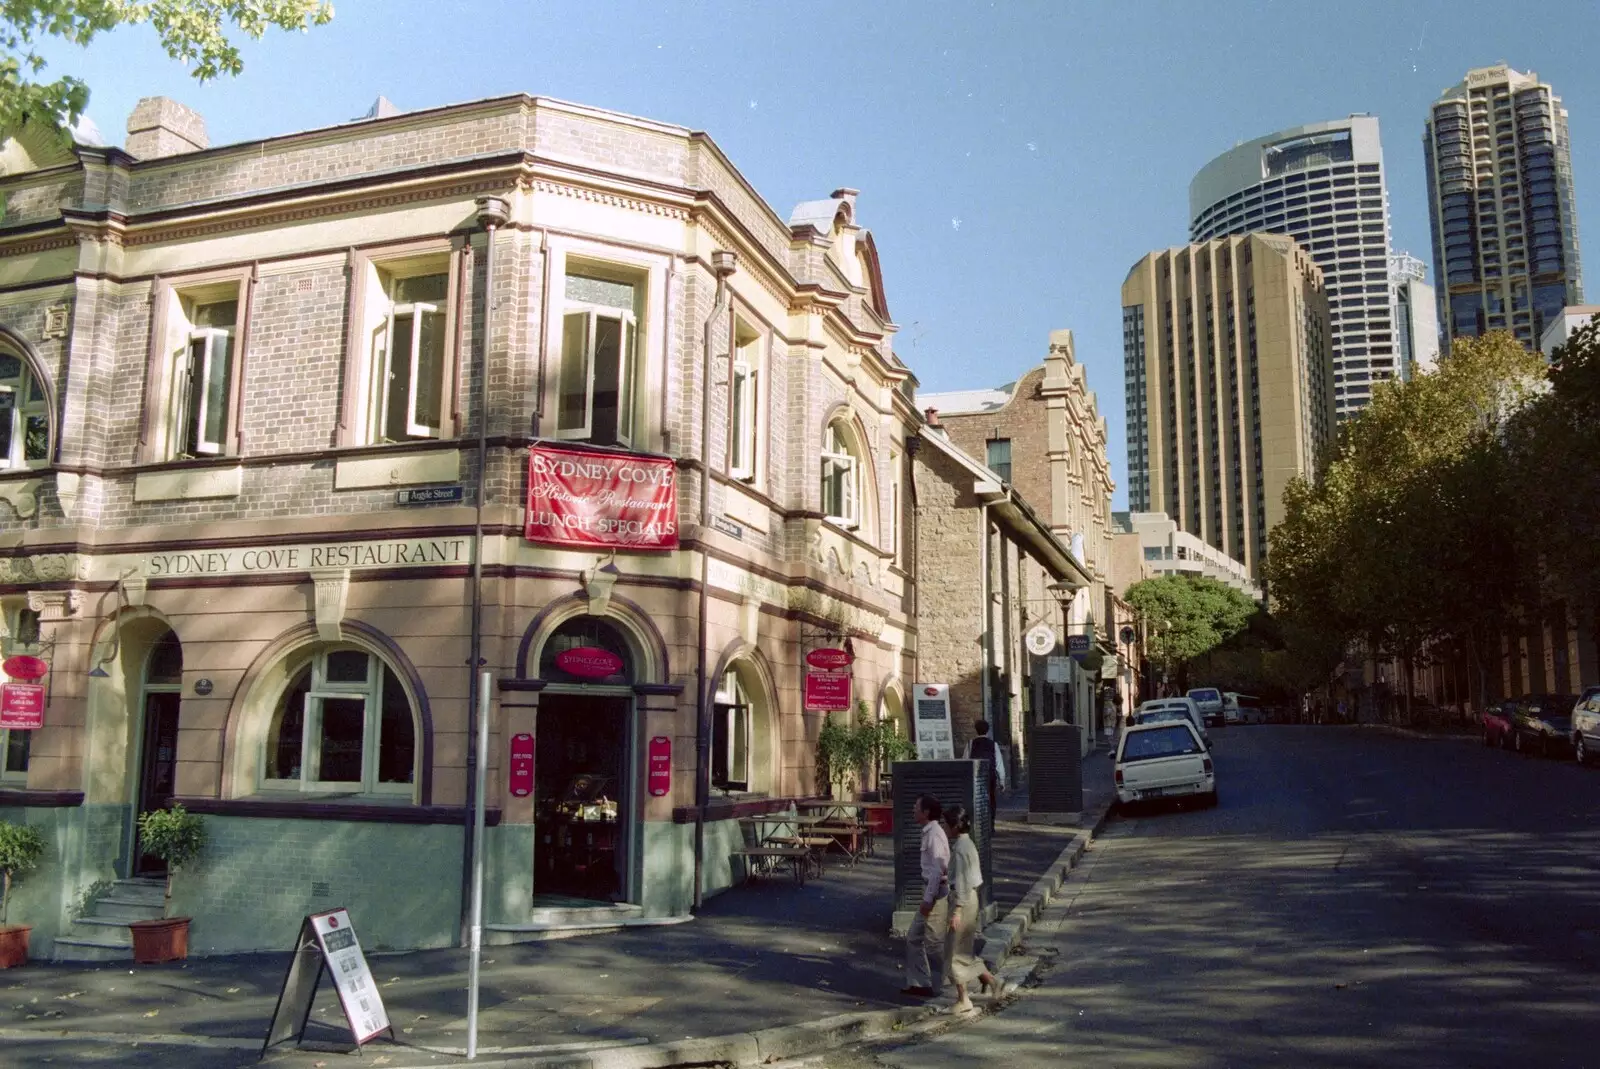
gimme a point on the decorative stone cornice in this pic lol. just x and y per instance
(613, 200)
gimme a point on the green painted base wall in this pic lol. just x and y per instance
(81, 848)
(257, 879)
(669, 865)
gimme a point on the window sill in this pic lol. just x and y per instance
(187, 484)
(361, 809)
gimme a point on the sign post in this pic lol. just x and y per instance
(934, 741)
(477, 866)
(520, 771)
(21, 706)
(660, 772)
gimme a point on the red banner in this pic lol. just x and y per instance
(828, 692)
(21, 706)
(602, 500)
(660, 766)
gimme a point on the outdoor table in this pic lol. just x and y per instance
(799, 824)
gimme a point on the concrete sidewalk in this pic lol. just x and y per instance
(766, 956)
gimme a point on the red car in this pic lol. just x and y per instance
(1497, 721)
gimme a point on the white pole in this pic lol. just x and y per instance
(477, 866)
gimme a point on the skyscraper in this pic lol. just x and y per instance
(1229, 387)
(1323, 185)
(1416, 320)
(1505, 226)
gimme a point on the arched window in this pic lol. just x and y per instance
(586, 649)
(741, 730)
(343, 724)
(24, 416)
(841, 476)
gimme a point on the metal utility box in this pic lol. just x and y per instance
(1055, 769)
(963, 783)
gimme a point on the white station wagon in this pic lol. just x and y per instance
(1164, 759)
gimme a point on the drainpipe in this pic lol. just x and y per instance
(984, 596)
(492, 213)
(723, 264)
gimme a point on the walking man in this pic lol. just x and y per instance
(927, 927)
(982, 748)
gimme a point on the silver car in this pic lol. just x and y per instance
(1586, 726)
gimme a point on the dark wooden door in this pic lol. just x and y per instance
(158, 769)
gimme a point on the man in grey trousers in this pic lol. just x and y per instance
(927, 927)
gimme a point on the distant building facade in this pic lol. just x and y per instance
(1323, 184)
(1500, 201)
(1560, 329)
(1166, 549)
(1416, 318)
(1229, 379)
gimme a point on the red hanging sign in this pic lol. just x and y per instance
(660, 766)
(603, 500)
(828, 692)
(22, 666)
(830, 658)
(521, 766)
(21, 706)
(589, 662)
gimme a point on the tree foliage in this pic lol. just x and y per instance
(193, 32)
(1406, 535)
(1187, 617)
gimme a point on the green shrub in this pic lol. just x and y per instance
(174, 835)
(21, 847)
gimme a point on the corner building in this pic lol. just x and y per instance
(1229, 386)
(241, 492)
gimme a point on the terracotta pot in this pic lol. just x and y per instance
(157, 941)
(14, 945)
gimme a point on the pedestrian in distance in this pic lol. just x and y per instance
(961, 962)
(928, 926)
(982, 748)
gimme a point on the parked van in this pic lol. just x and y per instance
(1242, 709)
(1209, 701)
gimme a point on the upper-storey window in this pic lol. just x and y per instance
(841, 476)
(24, 415)
(745, 401)
(597, 384)
(202, 375)
(408, 357)
(998, 457)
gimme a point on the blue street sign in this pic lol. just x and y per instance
(1078, 646)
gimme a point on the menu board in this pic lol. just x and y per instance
(934, 741)
(328, 940)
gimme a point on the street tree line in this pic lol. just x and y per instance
(1457, 507)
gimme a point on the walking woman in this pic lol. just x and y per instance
(961, 962)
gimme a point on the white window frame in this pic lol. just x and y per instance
(183, 378)
(23, 408)
(322, 689)
(380, 367)
(627, 370)
(744, 416)
(837, 458)
(731, 693)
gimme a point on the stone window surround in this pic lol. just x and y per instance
(363, 266)
(154, 435)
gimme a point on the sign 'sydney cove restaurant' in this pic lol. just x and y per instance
(244, 520)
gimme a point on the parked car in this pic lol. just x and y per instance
(1497, 724)
(1209, 701)
(1242, 709)
(1586, 726)
(1181, 705)
(1542, 724)
(1163, 759)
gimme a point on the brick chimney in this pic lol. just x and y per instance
(160, 127)
(932, 417)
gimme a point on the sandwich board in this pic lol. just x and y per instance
(328, 940)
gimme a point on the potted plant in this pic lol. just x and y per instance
(176, 836)
(839, 755)
(21, 847)
(884, 745)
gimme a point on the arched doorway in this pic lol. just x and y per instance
(584, 762)
(161, 693)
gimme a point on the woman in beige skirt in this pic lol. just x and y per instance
(961, 962)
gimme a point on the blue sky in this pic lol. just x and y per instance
(1014, 159)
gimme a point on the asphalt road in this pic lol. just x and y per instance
(1357, 899)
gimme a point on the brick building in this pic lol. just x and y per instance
(971, 621)
(1044, 435)
(235, 373)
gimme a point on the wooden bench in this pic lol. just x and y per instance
(767, 858)
(854, 840)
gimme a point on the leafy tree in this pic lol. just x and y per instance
(193, 32)
(1187, 617)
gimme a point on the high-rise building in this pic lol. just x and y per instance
(1229, 385)
(1416, 320)
(1323, 185)
(1504, 222)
